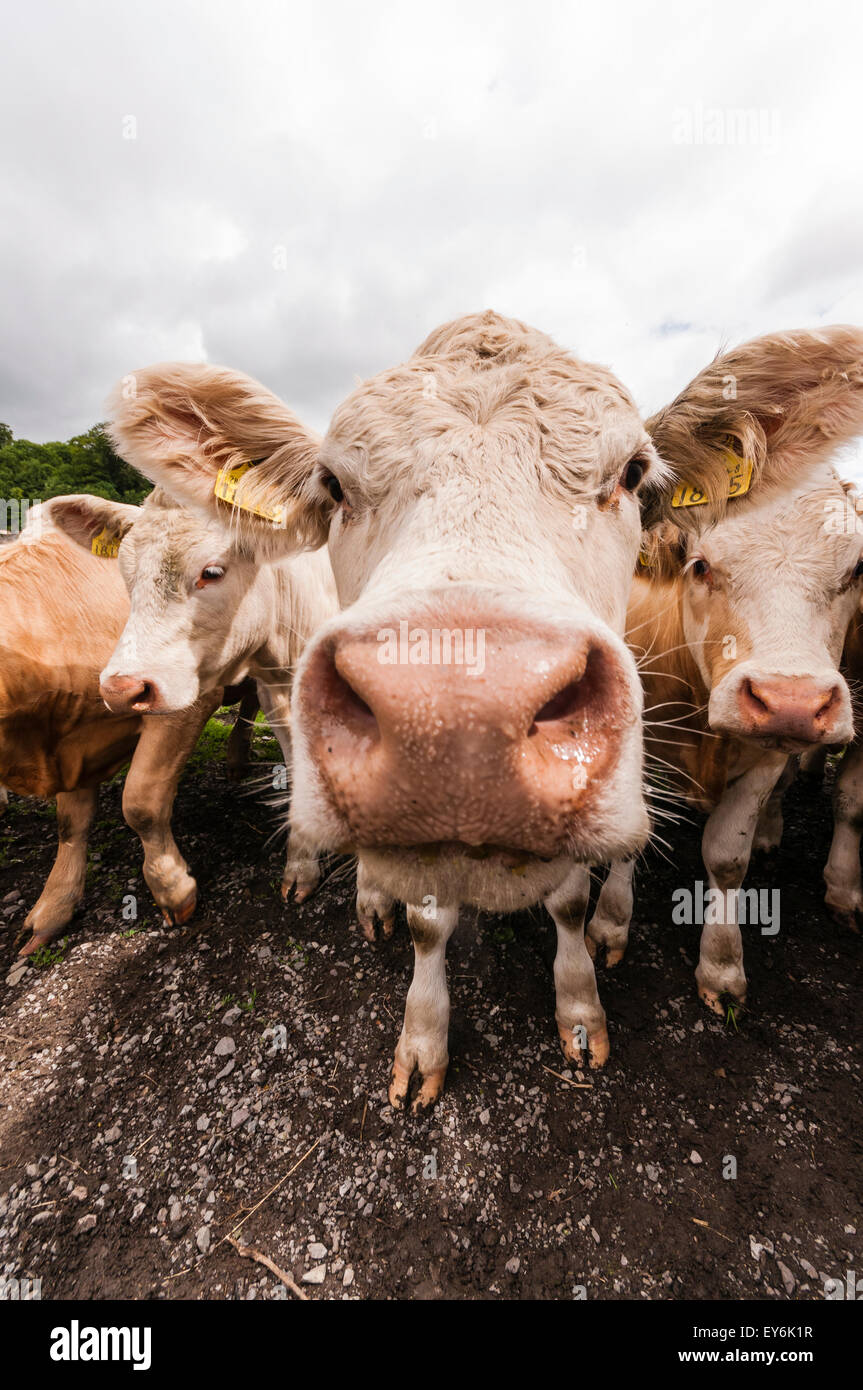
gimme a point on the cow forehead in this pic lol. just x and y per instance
(164, 546)
(811, 528)
(543, 407)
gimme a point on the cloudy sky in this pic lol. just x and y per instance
(303, 191)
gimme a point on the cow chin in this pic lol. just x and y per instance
(493, 877)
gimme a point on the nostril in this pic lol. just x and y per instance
(346, 705)
(576, 697)
(829, 706)
(144, 696)
(562, 705)
(751, 696)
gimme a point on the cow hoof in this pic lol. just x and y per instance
(303, 889)
(598, 1047)
(371, 922)
(846, 918)
(720, 1002)
(179, 916)
(430, 1089)
(39, 939)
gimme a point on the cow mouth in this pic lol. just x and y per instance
(495, 856)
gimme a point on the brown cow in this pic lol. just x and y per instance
(61, 612)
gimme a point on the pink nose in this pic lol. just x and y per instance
(506, 750)
(792, 707)
(129, 694)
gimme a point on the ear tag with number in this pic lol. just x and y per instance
(739, 481)
(106, 544)
(225, 488)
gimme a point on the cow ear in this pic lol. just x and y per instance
(223, 444)
(776, 405)
(94, 522)
(663, 551)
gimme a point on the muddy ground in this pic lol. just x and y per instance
(147, 1107)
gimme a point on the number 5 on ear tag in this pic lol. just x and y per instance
(739, 481)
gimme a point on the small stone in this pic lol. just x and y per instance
(317, 1251)
(17, 974)
(695, 1156)
(176, 1211)
(202, 1122)
(231, 1017)
(239, 1117)
(484, 1117)
(513, 1265)
(112, 1135)
(316, 1275)
(347, 1278)
(202, 1239)
(79, 1193)
(85, 1223)
(225, 1046)
(787, 1277)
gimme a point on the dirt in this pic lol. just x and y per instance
(160, 1087)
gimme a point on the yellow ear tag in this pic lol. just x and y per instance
(739, 481)
(225, 488)
(106, 544)
(644, 559)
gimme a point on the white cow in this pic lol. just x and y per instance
(751, 580)
(471, 722)
(204, 615)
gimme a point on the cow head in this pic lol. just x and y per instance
(471, 720)
(199, 602)
(764, 545)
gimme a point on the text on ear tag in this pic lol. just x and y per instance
(739, 481)
(106, 544)
(225, 488)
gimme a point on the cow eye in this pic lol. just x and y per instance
(633, 474)
(209, 575)
(700, 568)
(858, 570)
(333, 487)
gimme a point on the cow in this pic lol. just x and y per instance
(470, 722)
(749, 579)
(203, 615)
(844, 895)
(62, 611)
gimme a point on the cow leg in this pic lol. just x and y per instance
(727, 848)
(302, 871)
(812, 766)
(373, 905)
(64, 887)
(844, 897)
(237, 753)
(148, 801)
(609, 925)
(422, 1046)
(768, 831)
(580, 1016)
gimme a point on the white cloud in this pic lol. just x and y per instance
(311, 189)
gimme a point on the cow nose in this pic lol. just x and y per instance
(504, 746)
(793, 707)
(129, 694)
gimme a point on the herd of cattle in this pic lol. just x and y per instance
(499, 625)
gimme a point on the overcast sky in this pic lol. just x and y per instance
(304, 191)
